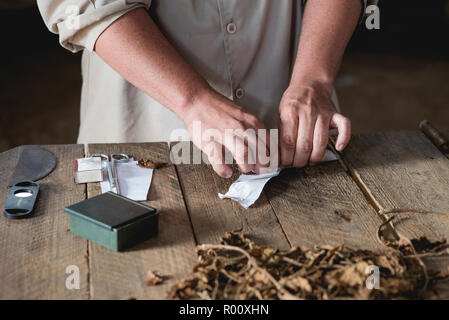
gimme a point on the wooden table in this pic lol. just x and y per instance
(330, 204)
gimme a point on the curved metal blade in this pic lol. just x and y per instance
(34, 163)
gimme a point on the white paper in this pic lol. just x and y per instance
(248, 187)
(134, 181)
(329, 156)
(87, 164)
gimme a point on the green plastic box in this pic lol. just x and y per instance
(113, 221)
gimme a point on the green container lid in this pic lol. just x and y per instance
(113, 221)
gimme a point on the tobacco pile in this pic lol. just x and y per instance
(148, 164)
(240, 269)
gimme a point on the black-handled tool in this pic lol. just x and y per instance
(21, 200)
(34, 163)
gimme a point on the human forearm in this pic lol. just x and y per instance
(327, 27)
(306, 110)
(135, 48)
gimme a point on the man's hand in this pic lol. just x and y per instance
(306, 114)
(306, 109)
(225, 126)
(134, 46)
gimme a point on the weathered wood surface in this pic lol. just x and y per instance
(35, 252)
(121, 275)
(404, 172)
(407, 177)
(212, 217)
(312, 206)
(322, 205)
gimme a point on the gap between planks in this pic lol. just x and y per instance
(283, 217)
(189, 213)
(183, 196)
(278, 220)
(89, 275)
(121, 275)
(221, 221)
(185, 204)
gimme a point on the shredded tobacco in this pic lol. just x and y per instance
(153, 279)
(149, 164)
(239, 269)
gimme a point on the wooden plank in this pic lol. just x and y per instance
(405, 172)
(322, 205)
(212, 217)
(35, 252)
(122, 275)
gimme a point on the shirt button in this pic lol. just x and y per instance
(231, 28)
(239, 93)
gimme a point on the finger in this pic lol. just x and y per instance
(215, 154)
(263, 150)
(289, 134)
(257, 143)
(269, 159)
(240, 152)
(320, 139)
(249, 137)
(304, 143)
(343, 125)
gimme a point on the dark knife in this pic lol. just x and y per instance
(34, 163)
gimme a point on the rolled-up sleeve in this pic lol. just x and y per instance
(80, 22)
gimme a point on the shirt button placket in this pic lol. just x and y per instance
(231, 28)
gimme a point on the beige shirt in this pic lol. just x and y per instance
(245, 49)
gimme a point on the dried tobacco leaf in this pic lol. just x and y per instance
(150, 164)
(418, 246)
(423, 245)
(236, 239)
(153, 279)
(239, 269)
(350, 275)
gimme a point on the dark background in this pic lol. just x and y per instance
(390, 78)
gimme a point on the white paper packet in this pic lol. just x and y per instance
(248, 187)
(133, 180)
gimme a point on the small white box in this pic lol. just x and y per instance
(88, 170)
